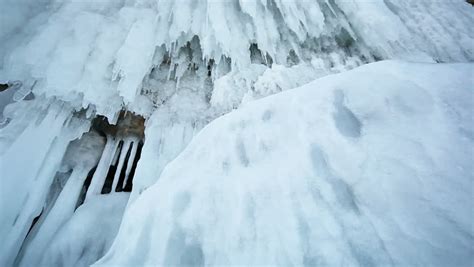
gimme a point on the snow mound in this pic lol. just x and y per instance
(368, 167)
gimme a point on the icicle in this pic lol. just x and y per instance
(100, 174)
(123, 154)
(27, 168)
(130, 162)
(62, 210)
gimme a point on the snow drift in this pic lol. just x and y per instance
(368, 167)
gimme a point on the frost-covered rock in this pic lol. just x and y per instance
(369, 167)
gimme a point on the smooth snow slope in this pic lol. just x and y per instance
(369, 167)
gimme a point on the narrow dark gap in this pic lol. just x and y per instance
(85, 187)
(107, 188)
(123, 171)
(35, 220)
(210, 65)
(3, 87)
(129, 185)
(24, 242)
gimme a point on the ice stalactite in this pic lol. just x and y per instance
(28, 167)
(103, 167)
(112, 46)
(84, 165)
(81, 156)
(60, 213)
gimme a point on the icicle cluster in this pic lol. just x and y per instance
(100, 54)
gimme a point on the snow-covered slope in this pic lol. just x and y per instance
(369, 167)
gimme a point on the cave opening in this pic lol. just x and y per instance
(128, 132)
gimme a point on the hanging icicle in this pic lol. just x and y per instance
(100, 174)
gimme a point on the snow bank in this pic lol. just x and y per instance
(372, 166)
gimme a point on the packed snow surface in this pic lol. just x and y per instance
(368, 167)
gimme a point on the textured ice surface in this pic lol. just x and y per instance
(99, 53)
(368, 167)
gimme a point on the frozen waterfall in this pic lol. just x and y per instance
(145, 132)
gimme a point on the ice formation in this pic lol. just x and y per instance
(98, 98)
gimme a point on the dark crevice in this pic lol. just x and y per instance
(35, 220)
(258, 57)
(129, 185)
(107, 188)
(123, 170)
(85, 187)
(3, 87)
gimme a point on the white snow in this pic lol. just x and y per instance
(369, 167)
